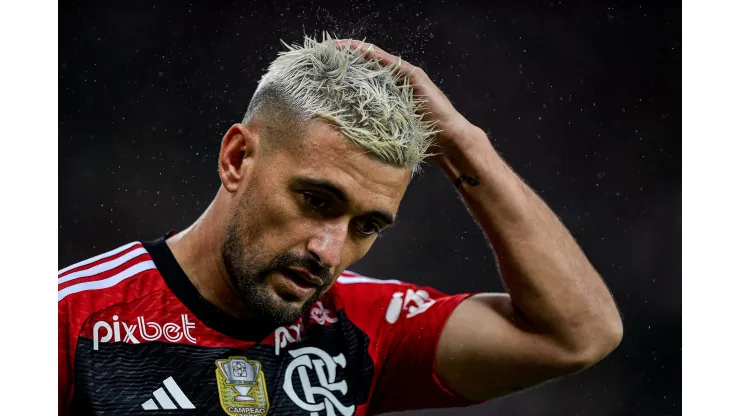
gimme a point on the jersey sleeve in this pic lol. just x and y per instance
(408, 321)
(88, 286)
(69, 328)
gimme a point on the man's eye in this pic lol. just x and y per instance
(314, 202)
(368, 228)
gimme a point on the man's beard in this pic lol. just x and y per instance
(251, 285)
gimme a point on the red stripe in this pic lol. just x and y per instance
(101, 261)
(108, 273)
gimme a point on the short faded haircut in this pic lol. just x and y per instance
(370, 104)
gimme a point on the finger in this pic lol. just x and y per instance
(382, 56)
(368, 48)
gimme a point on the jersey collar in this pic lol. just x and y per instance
(208, 313)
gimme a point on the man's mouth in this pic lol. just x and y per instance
(295, 285)
(309, 278)
(302, 279)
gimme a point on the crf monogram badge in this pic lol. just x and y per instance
(241, 386)
(317, 398)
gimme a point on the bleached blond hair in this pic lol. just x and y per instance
(372, 105)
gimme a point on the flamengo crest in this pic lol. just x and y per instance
(321, 398)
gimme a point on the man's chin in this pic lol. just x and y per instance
(274, 303)
(280, 308)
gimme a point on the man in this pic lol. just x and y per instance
(251, 310)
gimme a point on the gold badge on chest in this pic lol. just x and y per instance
(241, 386)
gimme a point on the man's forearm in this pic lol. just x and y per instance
(550, 281)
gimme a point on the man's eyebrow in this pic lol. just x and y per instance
(336, 190)
(384, 217)
(324, 185)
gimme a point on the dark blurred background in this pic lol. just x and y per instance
(583, 99)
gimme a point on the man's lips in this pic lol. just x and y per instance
(306, 277)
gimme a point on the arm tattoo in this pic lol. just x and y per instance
(467, 179)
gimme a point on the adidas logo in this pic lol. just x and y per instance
(164, 400)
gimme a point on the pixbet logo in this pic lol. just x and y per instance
(321, 315)
(283, 336)
(147, 331)
(415, 302)
(292, 333)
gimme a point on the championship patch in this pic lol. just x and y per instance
(241, 386)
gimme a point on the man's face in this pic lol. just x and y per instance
(303, 214)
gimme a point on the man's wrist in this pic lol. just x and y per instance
(465, 155)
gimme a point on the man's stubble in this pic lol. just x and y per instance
(248, 271)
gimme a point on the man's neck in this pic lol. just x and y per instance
(197, 250)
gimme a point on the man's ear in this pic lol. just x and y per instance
(238, 149)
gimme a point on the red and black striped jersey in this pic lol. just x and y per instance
(136, 337)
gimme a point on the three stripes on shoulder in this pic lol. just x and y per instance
(103, 271)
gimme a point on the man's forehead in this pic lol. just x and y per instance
(325, 154)
(319, 136)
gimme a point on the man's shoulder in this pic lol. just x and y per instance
(119, 275)
(373, 299)
(351, 284)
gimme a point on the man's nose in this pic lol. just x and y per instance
(326, 245)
